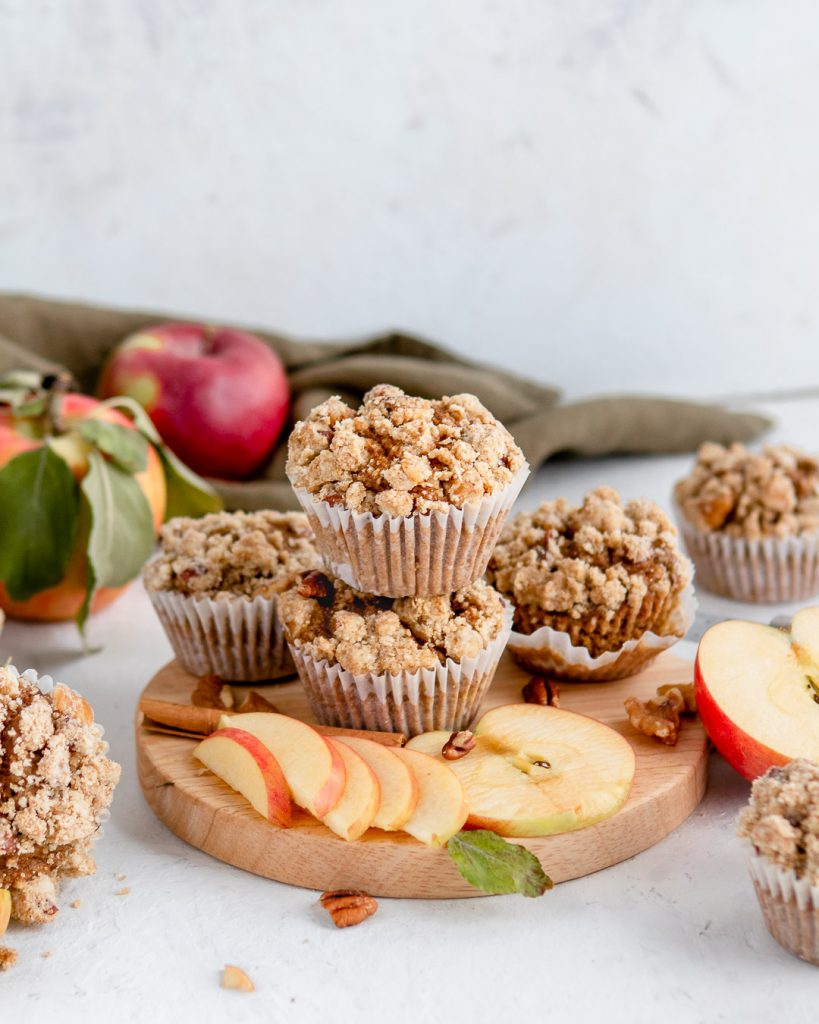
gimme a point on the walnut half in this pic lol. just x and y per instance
(658, 717)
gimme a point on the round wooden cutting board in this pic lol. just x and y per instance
(669, 783)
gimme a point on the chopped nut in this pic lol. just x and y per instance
(686, 692)
(67, 702)
(46, 953)
(121, 878)
(318, 586)
(658, 717)
(235, 978)
(458, 745)
(8, 958)
(254, 701)
(541, 691)
(348, 907)
(211, 692)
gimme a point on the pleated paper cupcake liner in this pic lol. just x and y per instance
(552, 652)
(447, 697)
(238, 639)
(416, 555)
(790, 906)
(766, 571)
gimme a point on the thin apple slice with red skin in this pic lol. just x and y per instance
(441, 809)
(754, 694)
(313, 767)
(398, 786)
(243, 762)
(355, 811)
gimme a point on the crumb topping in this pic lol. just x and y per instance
(782, 818)
(399, 455)
(327, 619)
(770, 493)
(592, 568)
(230, 553)
(55, 784)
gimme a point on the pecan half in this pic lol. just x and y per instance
(212, 692)
(541, 691)
(317, 585)
(348, 906)
(458, 745)
(254, 701)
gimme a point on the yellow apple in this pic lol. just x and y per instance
(355, 811)
(441, 809)
(399, 789)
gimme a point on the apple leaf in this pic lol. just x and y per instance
(128, 448)
(493, 865)
(121, 537)
(39, 511)
(188, 493)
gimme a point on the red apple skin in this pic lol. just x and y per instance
(330, 794)
(63, 601)
(279, 810)
(744, 754)
(218, 397)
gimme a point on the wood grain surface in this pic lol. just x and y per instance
(669, 783)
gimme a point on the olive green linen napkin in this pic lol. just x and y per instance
(48, 335)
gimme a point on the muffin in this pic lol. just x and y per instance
(598, 590)
(781, 823)
(215, 585)
(750, 521)
(408, 664)
(406, 496)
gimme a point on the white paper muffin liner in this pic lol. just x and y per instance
(447, 697)
(767, 571)
(238, 639)
(790, 906)
(416, 555)
(552, 652)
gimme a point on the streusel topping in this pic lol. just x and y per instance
(232, 553)
(598, 565)
(782, 818)
(770, 493)
(399, 454)
(325, 618)
(55, 784)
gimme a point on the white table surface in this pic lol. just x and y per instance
(673, 934)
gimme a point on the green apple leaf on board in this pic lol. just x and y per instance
(127, 448)
(495, 866)
(39, 512)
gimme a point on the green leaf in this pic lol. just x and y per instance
(128, 448)
(188, 493)
(85, 608)
(495, 866)
(122, 531)
(39, 510)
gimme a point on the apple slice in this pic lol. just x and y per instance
(5, 910)
(399, 790)
(758, 691)
(537, 771)
(441, 808)
(355, 811)
(312, 766)
(246, 765)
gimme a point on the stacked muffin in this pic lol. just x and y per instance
(407, 498)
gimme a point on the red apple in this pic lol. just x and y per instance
(218, 397)
(64, 600)
(758, 691)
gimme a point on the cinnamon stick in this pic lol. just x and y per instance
(186, 720)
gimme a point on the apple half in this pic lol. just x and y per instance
(757, 691)
(538, 771)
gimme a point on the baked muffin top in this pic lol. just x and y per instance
(232, 553)
(398, 454)
(782, 818)
(325, 618)
(563, 563)
(770, 493)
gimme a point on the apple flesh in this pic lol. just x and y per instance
(5, 910)
(757, 691)
(355, 811)
(441, 809)
(247, 766)
(218, 397)
(397, 784)
(539, 771)
(311, 764)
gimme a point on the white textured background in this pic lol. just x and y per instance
(611, 193)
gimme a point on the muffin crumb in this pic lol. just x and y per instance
(8, 958)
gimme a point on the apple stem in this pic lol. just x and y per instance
(55, 386)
